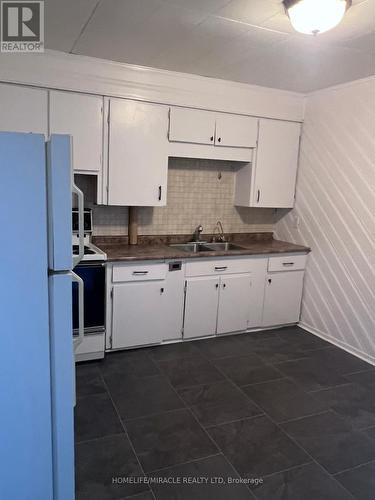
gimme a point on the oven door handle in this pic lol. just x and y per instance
(81, 226)
(81, 312)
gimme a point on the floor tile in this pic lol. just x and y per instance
(331, 441)
(339, 360)
(245, 370)
(222, 347)
(101, 460)
(174, 351)
(218, 403)
(169, 439)
(308, 374)
(89, 380)
(305, 340)
(189, 371)
(210, 468)
(144, 396)
(284, 400)
(365, 379)
(354, 403)
(257, 447)
(308, 481)
(95, 417)
(359, 481)
(277, 350)
(134, 363)
(370, 432)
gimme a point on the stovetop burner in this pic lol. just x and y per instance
(87, 250)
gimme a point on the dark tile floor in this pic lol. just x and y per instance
(275, 415)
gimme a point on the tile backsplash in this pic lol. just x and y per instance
(199, 192)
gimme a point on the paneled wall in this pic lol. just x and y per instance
(199, 192)
(335, 215)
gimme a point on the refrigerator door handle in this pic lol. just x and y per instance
(81, 227)
(81, 316)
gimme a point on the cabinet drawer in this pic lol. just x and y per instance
(287, 263)
(207, 267)
(139, 272)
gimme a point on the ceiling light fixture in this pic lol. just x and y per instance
(312, 17)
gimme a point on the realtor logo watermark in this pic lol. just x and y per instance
(22, 26)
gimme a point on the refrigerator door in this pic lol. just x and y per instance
(60, 189)
(25, 383)
(63, 384)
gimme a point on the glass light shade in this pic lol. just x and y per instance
(316, 16)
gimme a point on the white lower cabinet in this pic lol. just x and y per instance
(137, 308)
(282, 298)
(201, 302)
(234, 303)
(152, 302)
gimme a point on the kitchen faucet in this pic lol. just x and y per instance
(219, 228)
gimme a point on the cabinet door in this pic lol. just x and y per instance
(234, 303)
(138, 154)
(282, 300)
(23, 109)
(201, 304)
(276, 164)
(191, 125)
(80, 116)
(236, 131)
(138, 312)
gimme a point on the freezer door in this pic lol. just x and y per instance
(59, 192)
(63, 384)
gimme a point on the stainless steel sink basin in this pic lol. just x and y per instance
(225, 246)
(206, 247)
(193, 247)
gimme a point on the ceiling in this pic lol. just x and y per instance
(249, 41)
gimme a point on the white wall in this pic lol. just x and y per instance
(98, 76)
(336, 209)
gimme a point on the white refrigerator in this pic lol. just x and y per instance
(37, 372)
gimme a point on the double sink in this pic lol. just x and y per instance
(207, 247)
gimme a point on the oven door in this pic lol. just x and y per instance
(93, 276)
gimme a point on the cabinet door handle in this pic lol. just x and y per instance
(212, 138)
(223, 268)
(217, 285)
(269, 281)
(224, 285)
(159, 193)
(161, 290)
(258, 196)
(140, 273)
(288, 264)
(219, 139)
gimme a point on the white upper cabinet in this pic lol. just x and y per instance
(276, 164)
(191, 125)
(236, 131)
(23, 109)
(80, 116)
(270, 181)
(138, 153)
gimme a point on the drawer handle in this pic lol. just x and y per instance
(159, 193)
(223, 268)
(140, 273)
(288, 263)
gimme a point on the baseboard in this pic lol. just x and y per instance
(338, 343)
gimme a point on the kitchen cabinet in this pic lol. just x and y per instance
(217, 129)
(80, 116)
(282, 298)
(234, 303)
(137, 312)
(23, 109)
(201, 303)
(270, 181)
(137, 153)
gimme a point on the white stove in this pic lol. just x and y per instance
(92, 252)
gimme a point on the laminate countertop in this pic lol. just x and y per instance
(157, 247)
